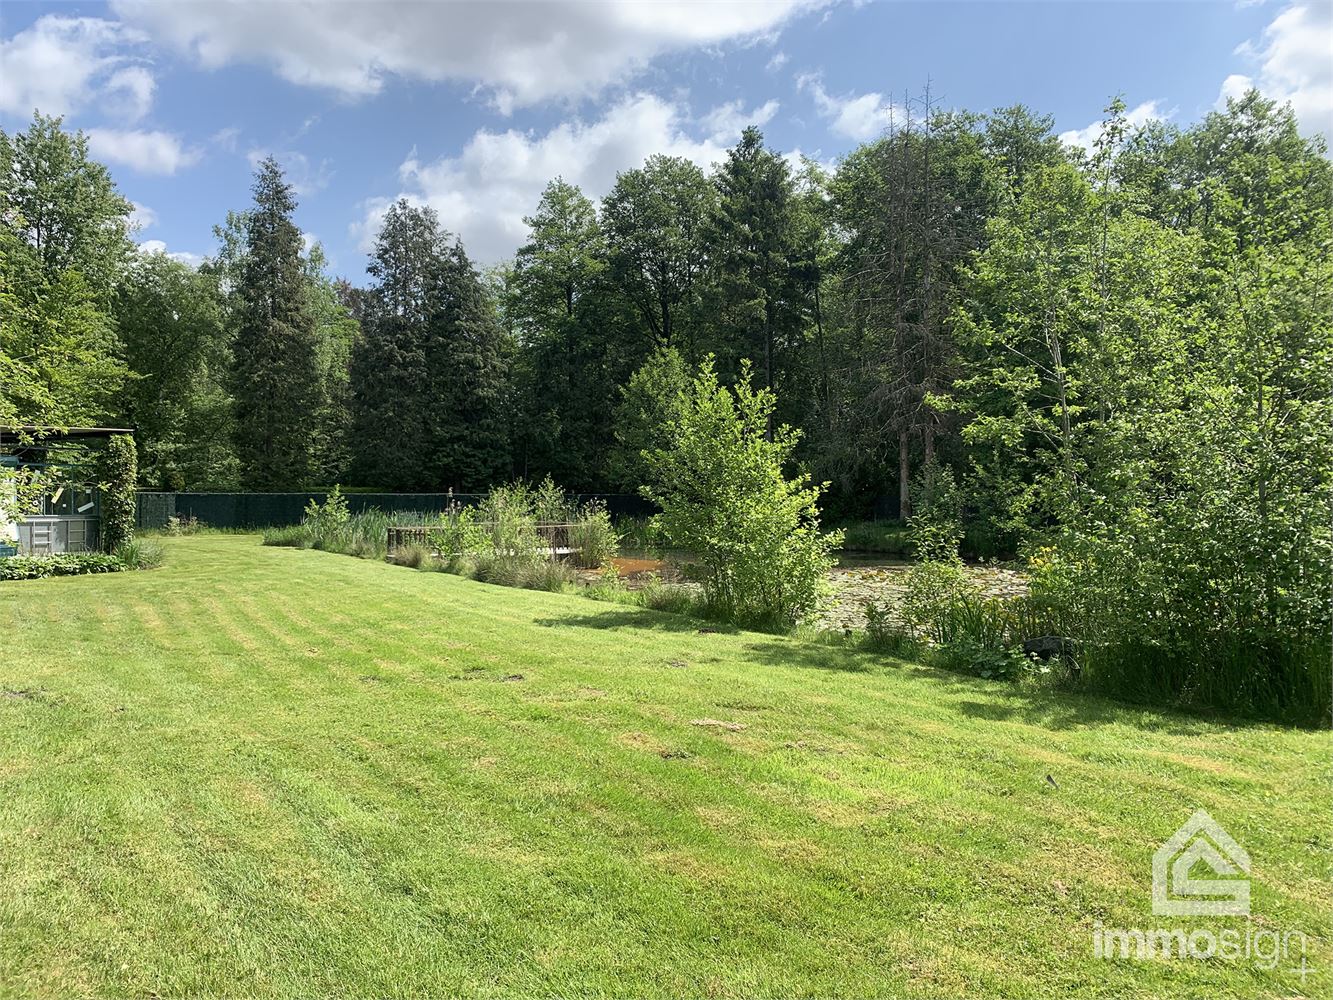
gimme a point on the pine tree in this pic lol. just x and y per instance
(428, 376)
(752, 236)
(275, 375)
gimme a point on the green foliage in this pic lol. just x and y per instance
(650, 405)
(654, 220)
(755, 295)
(1149, 395)
(936, 526)
(887, 633)
(331, 515)
(332, 529)
(172, 324)
(61, 564)
(118, 473)
(428, 375)
(563, 312)
(725, 499)
(64, 246)
(887, 537)
(593, 537)
(183, 525)
(275, 373)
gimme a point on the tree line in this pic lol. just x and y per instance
(963, 291)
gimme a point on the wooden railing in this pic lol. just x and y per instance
(556, 537)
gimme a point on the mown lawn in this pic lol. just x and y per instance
(274, 772)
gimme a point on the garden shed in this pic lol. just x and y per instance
(66, 514)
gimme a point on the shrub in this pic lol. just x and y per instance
(327, 518)
(933, 588)
(886, 632)
(1151, 625)
(118, 471)
(725, 498)
(61, 564)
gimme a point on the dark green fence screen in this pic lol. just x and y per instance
(262, 510)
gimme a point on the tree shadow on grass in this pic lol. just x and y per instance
(1049, 708)
(638, 618)
(1052, 708)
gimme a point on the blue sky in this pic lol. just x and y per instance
(472, 107)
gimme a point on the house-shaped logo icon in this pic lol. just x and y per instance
(1176, 892)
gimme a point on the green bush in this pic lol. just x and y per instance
(62, 564)
(1150, 625)
(118, 469)
(725, 498)
(886, 633)
(186, 525)
(969, 631)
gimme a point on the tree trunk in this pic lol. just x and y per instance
(904, 476)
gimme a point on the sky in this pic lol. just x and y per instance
(472, 107)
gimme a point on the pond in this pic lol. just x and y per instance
(856, 579)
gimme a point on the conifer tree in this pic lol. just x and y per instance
(275, 376)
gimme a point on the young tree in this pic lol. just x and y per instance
(725, 496)
(650, 405)
(275, 371)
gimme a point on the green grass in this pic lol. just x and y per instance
(280, 772)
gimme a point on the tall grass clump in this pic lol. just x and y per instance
(332, 527)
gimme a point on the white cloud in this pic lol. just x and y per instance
(1087, 136)
(129, 92)
(141, 216)
(145, 151)
(726, 121)
(856, 116)
(484, 192)
(776, 63)
(1294, 63)
(60, 64)
(305, 176)
(225, 138)
(521, 53)
(157, 246)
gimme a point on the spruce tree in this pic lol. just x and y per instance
(276, 378)
(428, 376)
